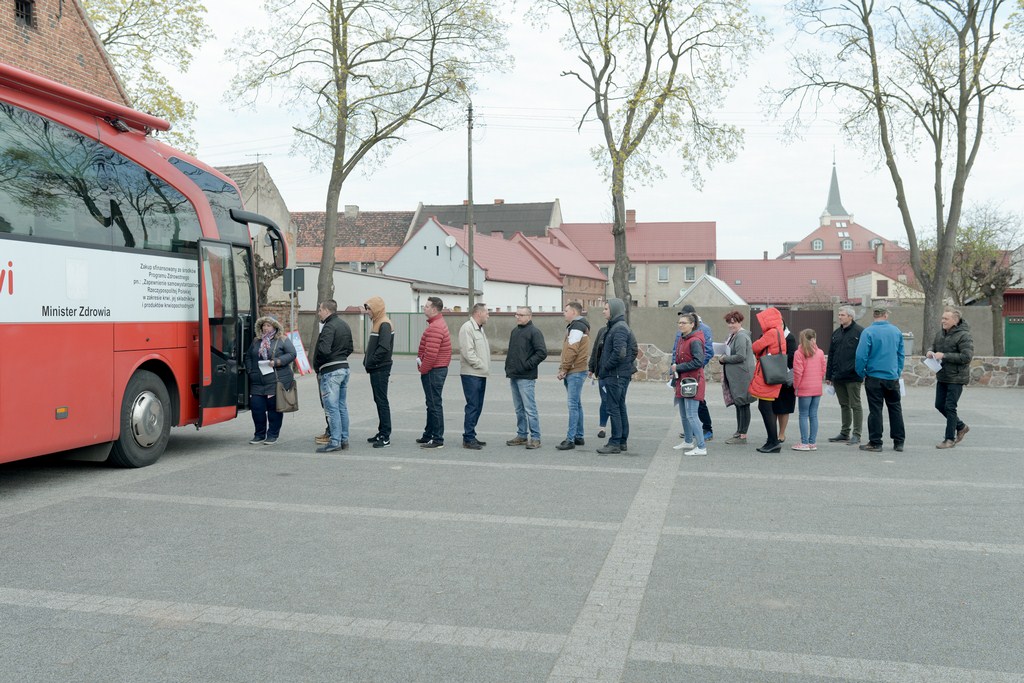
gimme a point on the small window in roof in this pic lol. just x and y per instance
(817, 245)
(813, 281)
(737, 282)
(847, 245)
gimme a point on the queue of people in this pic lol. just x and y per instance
(795, 379)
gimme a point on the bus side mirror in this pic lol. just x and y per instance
(277, 245)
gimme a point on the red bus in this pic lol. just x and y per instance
(127, 291)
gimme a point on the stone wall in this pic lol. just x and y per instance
(986, 371)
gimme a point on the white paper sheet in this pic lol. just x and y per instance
(933, 364)
(266, 368)
(830, 390)
(721, 348)
(903, 388)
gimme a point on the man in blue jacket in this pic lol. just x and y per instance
(709, 352)
(880, 363)
(616, 369)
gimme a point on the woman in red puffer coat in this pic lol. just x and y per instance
(772, 340)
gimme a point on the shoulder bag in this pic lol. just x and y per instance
(775, 366)
(285, 400)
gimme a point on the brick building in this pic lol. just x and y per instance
(53, 38)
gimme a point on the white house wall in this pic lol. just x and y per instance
(506, 296)
(353, 289)
(425, 257)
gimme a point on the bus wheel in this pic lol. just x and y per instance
(145, 422)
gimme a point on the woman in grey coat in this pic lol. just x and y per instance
(737, 371)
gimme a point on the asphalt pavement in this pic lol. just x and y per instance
(228, 562)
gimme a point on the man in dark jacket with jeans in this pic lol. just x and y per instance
(330, 362)
(841, 373)
(954, 348)
(526, 351)
(616, 369)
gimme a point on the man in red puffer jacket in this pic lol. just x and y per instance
(435, 354)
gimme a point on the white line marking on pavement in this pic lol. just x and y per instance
(482, 463)
(863, 541)
(815, 666)
(417, 515)
(853, 480)
(352, 627)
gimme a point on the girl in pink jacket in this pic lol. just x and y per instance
(808, 373)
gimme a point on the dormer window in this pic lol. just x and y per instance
(875, 243)
(817, 245)
(847, 245)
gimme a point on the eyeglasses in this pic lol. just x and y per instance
(522, 315)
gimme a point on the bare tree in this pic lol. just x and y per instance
(905, 72)
(360, 71)
(986, 261)
(654, 72)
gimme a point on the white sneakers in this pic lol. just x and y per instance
(684, 446)
(697, 451)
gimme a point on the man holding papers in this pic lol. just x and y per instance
(953, 349)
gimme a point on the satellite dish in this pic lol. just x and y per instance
(449, 241)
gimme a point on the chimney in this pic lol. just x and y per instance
(497, 233)
(351, 211)
(465, 202)
(879, 252)
(765, 256)
(630, 219)
(499, 201)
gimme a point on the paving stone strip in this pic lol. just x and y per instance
(354, 511)
(864, 541)
(598, 643)
(303, 622)
(855, 480)
(813, 666)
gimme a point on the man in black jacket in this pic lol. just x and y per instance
(377, 362)
(841, 373)
(526, 351)
(954, 348)
(616, 368)
(330, 362)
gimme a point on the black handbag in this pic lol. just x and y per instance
(775, 367)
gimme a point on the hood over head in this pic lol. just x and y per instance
(616, 307)
(770, 319)
(278, 330)
(378, 313)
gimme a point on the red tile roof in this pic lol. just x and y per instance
(507, 261)
(685, 242)
(893, 265)
(784, 281)
(832, 240)
(566, 258)
(370, 236)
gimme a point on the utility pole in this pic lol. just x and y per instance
(469, 210)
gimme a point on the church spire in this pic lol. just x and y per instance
(835, 203)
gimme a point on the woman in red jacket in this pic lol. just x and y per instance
(772, 341)
(808, 374)
(689, 364)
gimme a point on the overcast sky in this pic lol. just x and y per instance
(526, 148)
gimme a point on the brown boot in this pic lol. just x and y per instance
(962, 433)
(322, 439)
(947, 443)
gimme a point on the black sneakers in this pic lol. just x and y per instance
(382, 443)
(566, 445)
(432, 444)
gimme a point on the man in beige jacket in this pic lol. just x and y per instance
(573, 371)
(475, 361)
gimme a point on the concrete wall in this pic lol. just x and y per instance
(910, 319)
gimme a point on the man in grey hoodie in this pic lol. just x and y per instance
(616, 368)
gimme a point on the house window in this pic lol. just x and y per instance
(662, 304)
(604, 270)
(632, 273)
(847, 245)
(25, 12)
(882, 288)
(874, 243)
(691, 273)
(662, 273)
(817, 245)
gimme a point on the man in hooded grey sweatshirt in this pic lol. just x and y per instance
(616, 368)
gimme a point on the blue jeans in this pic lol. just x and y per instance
(693, 431)
(473, 389)
(574, 389)
(527, 421)
(808, 418)
(615, 389)
(333, 393)
(433, 388)
(603, 410)
(264, 412)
